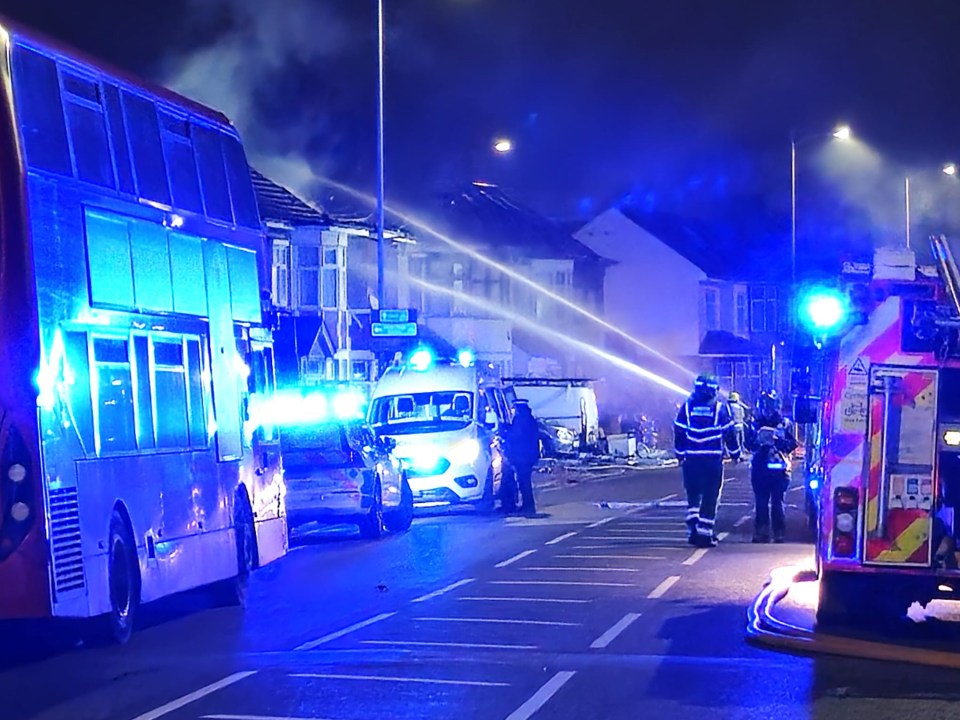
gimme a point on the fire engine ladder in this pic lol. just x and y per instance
(947, 267)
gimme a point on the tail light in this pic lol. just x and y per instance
(16, 494)
(845, 509)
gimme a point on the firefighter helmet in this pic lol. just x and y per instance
(734, 396)
(706, 386)
(769, 402)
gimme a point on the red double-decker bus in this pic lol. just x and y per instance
(131, 339)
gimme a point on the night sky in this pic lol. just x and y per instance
(681, 105)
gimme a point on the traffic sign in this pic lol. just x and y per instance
(395, 315)
(385, 329)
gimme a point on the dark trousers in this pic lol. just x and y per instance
(702, 478)
(524, 474)
(768, 490)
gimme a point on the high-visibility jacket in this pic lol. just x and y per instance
(704, 428)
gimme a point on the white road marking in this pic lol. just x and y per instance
(742, 521)
(610, 635)
(398, 678)
(423, 643)
(525, 599)
(559, 582)
(180, 702)
(723, 536)
(443, 590)
(584, 568)
(601, 522)
(498, 621)
(561, 538)
(340, 633)
(515, 558)
(541, 696)
(625, 538)
(610, 557)
(697, 554)
(660, 590)
(255, 717)
(627, 546)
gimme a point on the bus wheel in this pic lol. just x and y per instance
(371, 524)
(234, 591)
(123, 579)
(401, 519)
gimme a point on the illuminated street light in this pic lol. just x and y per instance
(503, 146)
(950, 169)
(843, 132)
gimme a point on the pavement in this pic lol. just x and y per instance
(596, 608)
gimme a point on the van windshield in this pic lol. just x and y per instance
(422, 412)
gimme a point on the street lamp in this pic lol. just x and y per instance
(503, 146)
(950, 169)
(842, 133)
(380, 185)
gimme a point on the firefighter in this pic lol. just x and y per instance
(702, 431)
(772, 439)
(738, 411)
(523, 451)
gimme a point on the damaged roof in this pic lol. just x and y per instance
(277, 204)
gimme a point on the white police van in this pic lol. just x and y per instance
(447, 420)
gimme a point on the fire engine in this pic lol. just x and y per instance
(887, 460)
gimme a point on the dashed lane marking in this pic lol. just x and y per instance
(499, 621)
(338, 634)
(660, 590)
(180, 702)
(697, 554)
(742, 521)
(471, 646)
(723, 536)
(443, 590)
(561, 538)
(560, 582)
(601, 522)
(583, 568)
(610, 635)
(515, 558)
(401, 679)
(541, 696)
(526, 599)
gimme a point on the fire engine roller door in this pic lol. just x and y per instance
(901, 448)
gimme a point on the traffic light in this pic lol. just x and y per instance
(823, 310)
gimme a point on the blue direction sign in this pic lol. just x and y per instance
(393, 329)
(395, 315)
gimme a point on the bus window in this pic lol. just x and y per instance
(170, 386)
(178, 149)
(114, 395)
(213, 174)
(40, 110)
(88, 130)
(118, 138)
(197, 403)
(77, 376)
(147, 153)
(241, 185)
(144, 392)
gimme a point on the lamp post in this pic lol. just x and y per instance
(381, 299)
(843, 133)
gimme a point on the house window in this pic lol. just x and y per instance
(416, 268)
(329, 281)
(308, 272)
(742, 312)
(280, 274)
(763, 309)
(725, 374)
(711, 306)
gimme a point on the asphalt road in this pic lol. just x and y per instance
(584, 612)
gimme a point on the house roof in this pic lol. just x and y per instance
(722, 250)
(277, 204)
(721, 342)
(484, 215)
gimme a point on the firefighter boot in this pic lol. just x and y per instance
(761, 535)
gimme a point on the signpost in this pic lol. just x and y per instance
(394, 322)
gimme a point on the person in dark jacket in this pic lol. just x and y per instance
(523, 452)
(703, 429)
(772, 439)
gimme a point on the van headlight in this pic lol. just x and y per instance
(465, 451)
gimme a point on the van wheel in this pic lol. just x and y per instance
(401, 519)
(371, 525)
(123, 579)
